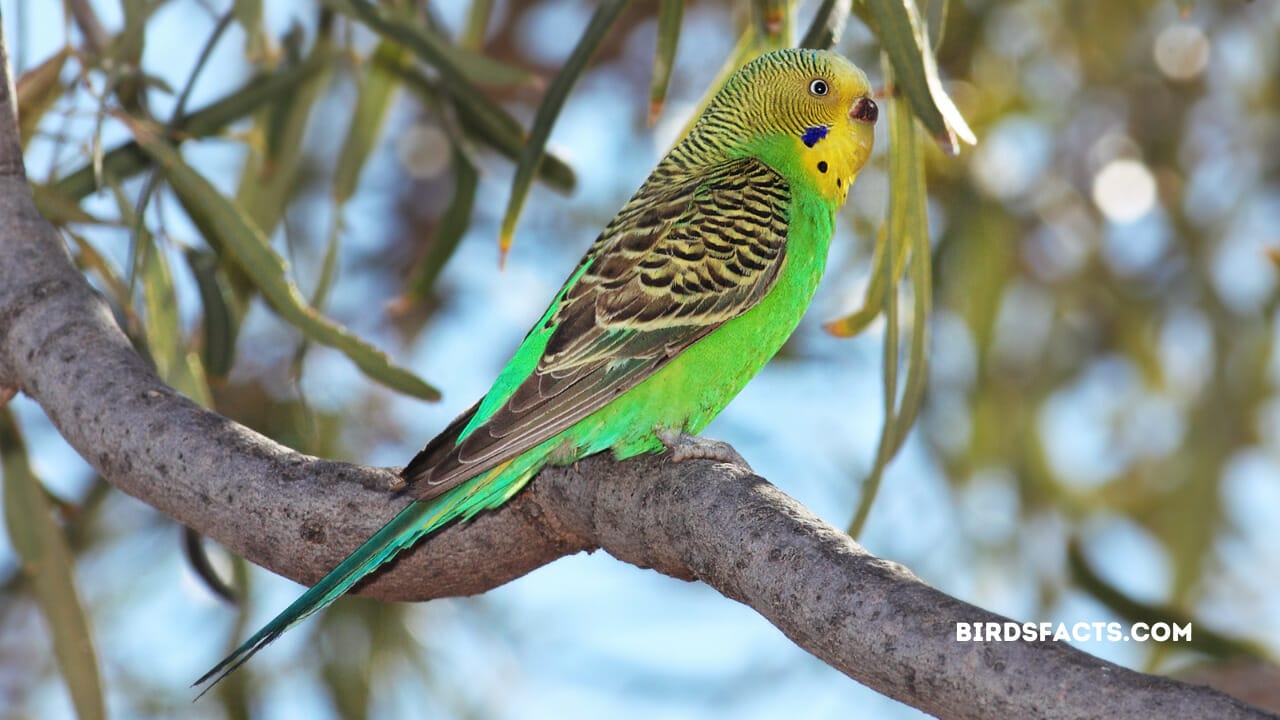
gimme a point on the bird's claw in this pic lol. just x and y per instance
(682, 447)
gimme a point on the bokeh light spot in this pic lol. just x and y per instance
(1182, 51)
(424, 151)
(1124, 190)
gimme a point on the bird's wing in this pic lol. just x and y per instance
(680, 260)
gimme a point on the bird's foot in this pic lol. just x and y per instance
(682, 447)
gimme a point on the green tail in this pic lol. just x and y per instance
(419, 519)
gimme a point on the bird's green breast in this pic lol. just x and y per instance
(693, 388)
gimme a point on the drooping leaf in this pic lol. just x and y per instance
(917, 358)
(773, 21)
(269, 175)
(249, 14)
(459, 68)
(901, 32)
(48, 565)
(827, 25)
(128, 159)
(857, 321)
(37, 89)
(670, 15)
(871, 487)
(161, 326)
(126, 54)
(872, 303)
(936, 12)
(160, 311)
(175, 117)
(88, 257)
(60, 209)
(220, 324)
(534, 150)
(1203, 639)
(477, 24)
(906, 225)
(237, 234)
(197, 557)
(128, 44)
(498, 131)
(373, 100)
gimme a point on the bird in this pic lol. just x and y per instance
(692, 287)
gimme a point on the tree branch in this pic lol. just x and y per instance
(298, 516)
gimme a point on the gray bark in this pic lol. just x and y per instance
(298, 515)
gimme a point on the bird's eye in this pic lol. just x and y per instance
(819, 87)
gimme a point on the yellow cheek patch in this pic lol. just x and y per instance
(834, 159)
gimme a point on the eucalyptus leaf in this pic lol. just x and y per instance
(901, 32)
(238, 235)
(670, 15)
(48, 564)
(534, 150)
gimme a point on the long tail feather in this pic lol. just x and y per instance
(410, 525)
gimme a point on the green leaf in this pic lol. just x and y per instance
(917, 358)
(907, 227)
(1204, 639)
(871, 487)
(498, 131)
(47, 563)
(858, 320)
(268, 178)
(160, 324)
(175, 364)
(125, 68)
(190, 379)
(328, 266)
(897, 23)
(249, 14)
(670, 15)
(936, 12)
(477, 112)
(60, 209)
(37, 90)
(373, 100)
(828, 24)
(221, 321)
(128, 45)
(773, 21)
(237, 234)
(88, 257)
(533, 151)
(460, 69)
(872, 303)
(127, 160)
(477, 24)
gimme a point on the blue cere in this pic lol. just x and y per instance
(813, 134)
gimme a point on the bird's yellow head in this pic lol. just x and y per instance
(806, 113)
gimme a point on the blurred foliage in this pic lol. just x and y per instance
(1102, 328)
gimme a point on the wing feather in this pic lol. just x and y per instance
(682, 258)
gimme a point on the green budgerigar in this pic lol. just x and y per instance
(689, 291)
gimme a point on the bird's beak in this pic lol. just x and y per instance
(862, 121)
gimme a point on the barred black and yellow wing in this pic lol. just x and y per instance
(684, 256)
